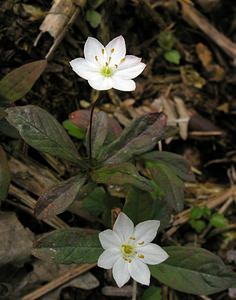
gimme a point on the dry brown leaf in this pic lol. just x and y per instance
(183, 117)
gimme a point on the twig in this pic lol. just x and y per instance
(67, 276)
(194, 17)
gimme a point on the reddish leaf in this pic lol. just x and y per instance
(19, 82)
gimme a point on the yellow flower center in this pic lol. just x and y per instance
(107, 71)
(127, 249)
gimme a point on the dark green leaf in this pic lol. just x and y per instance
(194, 271)
(42, 131)
(152, 293)
(93, 17)
(139, 137)
(74, 130)
(59, 197)
(218, 220)
(166, 40)
(19, 82)
(173, 56)
(69, 246)
(95, 201)
(141, 206)
(121, 174)
(99, 133)
(171, 186)
(5, 177)
(178, 163)
(196, 212)
(7, 129)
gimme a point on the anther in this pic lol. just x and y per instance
(141, 256)
(96, 58)
(122, 59)
(132, 238)
(107, 64)
(112, 50)
(116, 66)
(141, 243)
(103, 51)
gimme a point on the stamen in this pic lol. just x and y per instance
(130, 260)
(132, 238)
(103, 51)
(116, 66)
(112, 50)
(106, 64)
(96, 58)
(141, 243)
(109, 60)
(122, 60)
(141, 256)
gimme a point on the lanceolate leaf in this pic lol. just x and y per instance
(177, 163)
(68, 246)
(140, 137)
(194, 271)
(19, 82)
(171, 186)
(42, 131)
(121, 174)
(59, 197)
(98, 133)
(4, 175)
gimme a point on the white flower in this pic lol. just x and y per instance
(108, 67)
(128, 250)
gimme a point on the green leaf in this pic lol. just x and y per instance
(139, 137)
(98, 133)
(196, 212)
(177, 163)
(121, 174)
(141, 206)
(152, 293)
(194, 271)
(173, 56)
(95, 201)
(93, 17)
(5, 176)
(18, 83)
(42, 131)
(8, 130)
(218, 220)
(171, 186)
(69, 246)
(59, 197)
(73, 130)
(198, 225)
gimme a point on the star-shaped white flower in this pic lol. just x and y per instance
(128, 250)
(108, 67)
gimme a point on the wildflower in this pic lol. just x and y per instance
(108, 67)
(128, 250)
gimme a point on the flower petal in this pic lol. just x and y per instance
(139, 271)
(146, 231)
(120, 272)
(129, 61)
(124, 227)
(126, 85)
(101, 83)
(116, 49)
(108, 258)
(109, 239)
(84, 69)
(94, 51)
(153, 254)
(131, 72)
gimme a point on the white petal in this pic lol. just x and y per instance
(85, 69)
(139, 271)
(101, 83)
(120, 272)
(109, 239)
(124, 227)
(94, 49)
(107, 259)
(146, 231)
(153, 254)
(126, 85)
(116, 49)
(130, 61)
(131, 72)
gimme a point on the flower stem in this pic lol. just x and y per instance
(134, 290)
(90, 127)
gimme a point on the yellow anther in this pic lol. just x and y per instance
(112, 50)
(109, 59)
(130, 260)
(141, 243)
(122, 59)
(107, 64)
(96, 58)
(103, 51)
(141, 256)
(116, 66)
(132, 238)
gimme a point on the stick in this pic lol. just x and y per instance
(52, 285)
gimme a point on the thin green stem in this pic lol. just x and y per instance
(134, 290)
